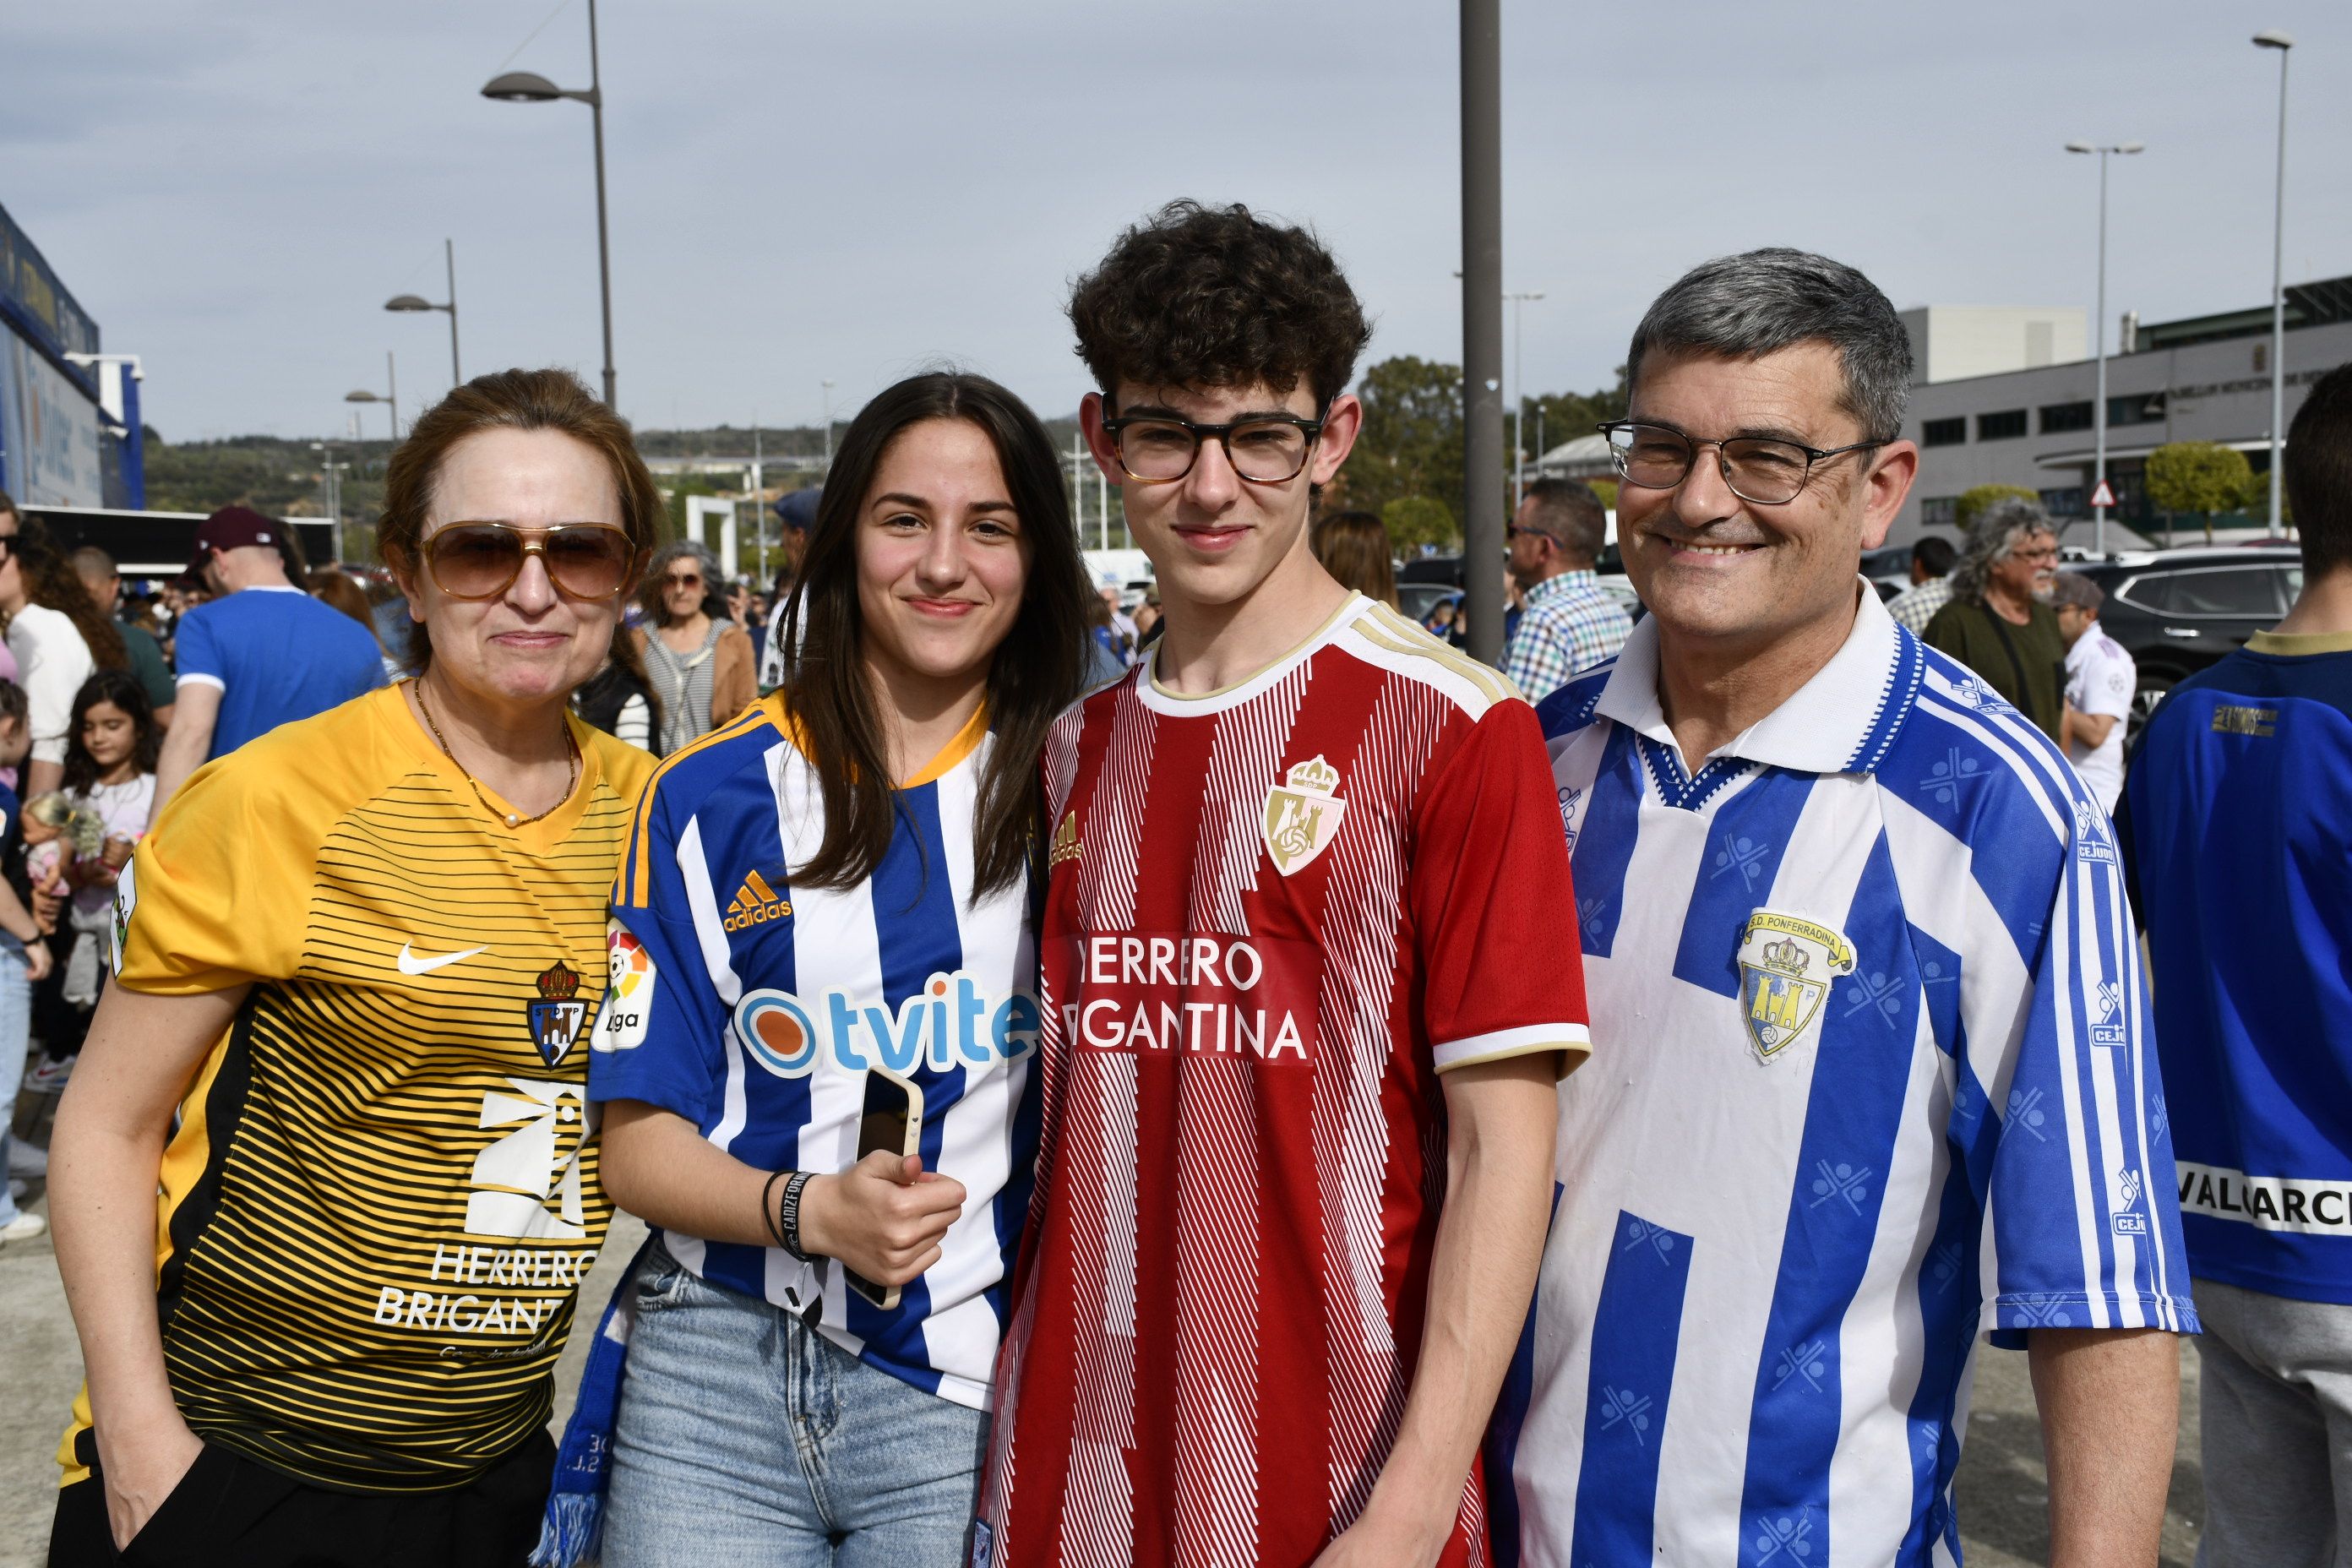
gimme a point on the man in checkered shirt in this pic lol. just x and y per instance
(1570, 622)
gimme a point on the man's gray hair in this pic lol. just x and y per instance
(1756, 303)
(1991, 538)
(2073, 588)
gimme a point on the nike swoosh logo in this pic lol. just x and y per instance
(412, 964)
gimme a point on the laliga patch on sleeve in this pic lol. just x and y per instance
(984, 1544)
(118, 930)
(628, 993)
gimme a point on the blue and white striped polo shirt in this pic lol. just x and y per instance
(1872, 1080)
(754, 1007)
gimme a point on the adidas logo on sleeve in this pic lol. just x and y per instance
(755, 903)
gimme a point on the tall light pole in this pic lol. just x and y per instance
(418, 303)
(2283, 44)
(390, 399)
(526, 87)
(1482, 322)
(1518, 402)
(2099, 404)
(334, 479)
(828, 425)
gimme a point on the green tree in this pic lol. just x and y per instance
(1416, 521)
(1606, 489)
(1411, 445)
(1977, 497)
(1565, 416)
(2202, 476)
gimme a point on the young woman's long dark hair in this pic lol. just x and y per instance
(123, 689)
(51, 582)
(1039, 669)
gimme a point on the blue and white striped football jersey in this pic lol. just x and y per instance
(1872, 1079)
(754, 1008)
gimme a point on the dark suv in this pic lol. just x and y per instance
(2178, 611)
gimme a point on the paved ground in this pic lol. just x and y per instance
(2002, 1486)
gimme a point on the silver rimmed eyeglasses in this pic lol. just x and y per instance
(1757, 468)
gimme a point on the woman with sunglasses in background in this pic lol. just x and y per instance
(698, 660)
(324, 1186)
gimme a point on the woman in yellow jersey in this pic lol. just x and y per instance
(355, 960)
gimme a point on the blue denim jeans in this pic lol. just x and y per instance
(16, 1024)
(748, 1438)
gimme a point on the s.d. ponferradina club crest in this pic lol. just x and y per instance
(1302, 814)
(1786, 967)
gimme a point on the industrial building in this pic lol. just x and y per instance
(2004, 396)
(2207, 378)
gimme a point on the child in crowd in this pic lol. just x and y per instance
(22, 960)
(111, 745)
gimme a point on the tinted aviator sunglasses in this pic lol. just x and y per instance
(482, 560)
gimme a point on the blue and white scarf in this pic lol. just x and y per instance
(572, 1532)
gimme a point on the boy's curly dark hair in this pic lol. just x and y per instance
(1200, 296)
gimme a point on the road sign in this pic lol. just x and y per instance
(2103, 495)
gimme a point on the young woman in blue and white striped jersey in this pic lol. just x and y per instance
(824, 900)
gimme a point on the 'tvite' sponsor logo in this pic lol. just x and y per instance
(951, 1022)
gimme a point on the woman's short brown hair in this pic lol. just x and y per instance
(508, 400)
(1353, 546)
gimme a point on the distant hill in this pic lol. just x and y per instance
(286, 476)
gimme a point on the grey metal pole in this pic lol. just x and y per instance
(2099, 407)
(2278, 312)
(450, 250)
(392, 389)
(1518, 402)
(603, 250)
(1482, 322)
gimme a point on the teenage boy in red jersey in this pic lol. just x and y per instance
(1305, 985)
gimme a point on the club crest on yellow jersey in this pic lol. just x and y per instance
(556, 1016)
(1302, 814)
(1786, 967)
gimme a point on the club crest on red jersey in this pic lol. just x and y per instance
(1302, 814)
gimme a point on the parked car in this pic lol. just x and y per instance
(1419, 600)
(2177, 611)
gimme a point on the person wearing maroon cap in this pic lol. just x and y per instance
(259, 653)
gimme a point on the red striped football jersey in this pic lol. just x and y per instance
(1275, 914)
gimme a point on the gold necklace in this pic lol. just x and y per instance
(512, 820)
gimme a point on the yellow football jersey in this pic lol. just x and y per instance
(381, 1192)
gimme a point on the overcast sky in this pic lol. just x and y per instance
(805, 192)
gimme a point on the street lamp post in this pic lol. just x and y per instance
(1518, 402)
(334, 491)
(2283, 44)
(2099, 404)
(390, 399)
(828, 425)
(418, 303)
(1482, 322)
(527, 86)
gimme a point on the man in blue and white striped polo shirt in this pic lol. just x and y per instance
(1856, 942)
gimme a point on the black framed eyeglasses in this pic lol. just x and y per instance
(1264, 450)
(1756, 468)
